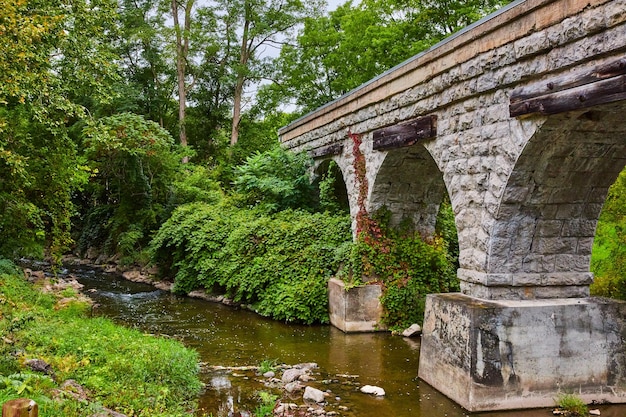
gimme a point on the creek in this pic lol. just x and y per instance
(229, 339)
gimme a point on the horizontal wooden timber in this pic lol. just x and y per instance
(334, 149)
(602, 72)
(405, 134)
(599, 85)
(588, 95)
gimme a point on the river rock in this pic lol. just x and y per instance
(306, 366)
(313, 394)
(293, 386)
(269, 374)
(412, 330)
(282, 409)
(291, 375)
(371, 389)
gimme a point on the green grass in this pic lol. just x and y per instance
(267, 403)
(267, 365)
(572, 405)
(123, 369)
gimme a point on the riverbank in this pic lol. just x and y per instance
(73, 365)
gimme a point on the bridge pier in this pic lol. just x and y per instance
(512, 354)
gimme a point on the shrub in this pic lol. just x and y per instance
(279, 262)
(275, 180)
(608, 261)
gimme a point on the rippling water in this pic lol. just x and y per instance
(231, 337)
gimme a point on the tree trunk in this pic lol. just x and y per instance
(182, 51)
(243, 63)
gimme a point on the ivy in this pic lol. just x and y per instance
(407, 266)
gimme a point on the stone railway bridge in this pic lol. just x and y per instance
(521, 120)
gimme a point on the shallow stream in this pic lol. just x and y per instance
(230, 337)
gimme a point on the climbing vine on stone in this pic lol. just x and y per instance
(407, 266)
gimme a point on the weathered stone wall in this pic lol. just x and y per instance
(513, 244)
(519, 354)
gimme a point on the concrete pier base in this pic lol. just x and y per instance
(499, 355)
(355, 309)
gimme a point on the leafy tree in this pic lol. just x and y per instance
(133, 163)
(257, 25)
(149, 78)
(54, 53)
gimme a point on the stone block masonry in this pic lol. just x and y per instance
(355, 309)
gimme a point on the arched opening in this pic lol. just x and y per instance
(332, 194)
(410, 185)
(546, 222)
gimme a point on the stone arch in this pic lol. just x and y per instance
(410, 184)
(541, 239)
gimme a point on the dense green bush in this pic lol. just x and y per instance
(275, 180)
(278, 262)
(608, 261)
(407, 266)
(133, 163)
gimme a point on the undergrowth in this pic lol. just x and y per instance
(122, 369)
(407, 266)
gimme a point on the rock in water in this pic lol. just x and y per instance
(291, 375)
(412, 330)
(293, 386)
(371, 389)
(313, 394)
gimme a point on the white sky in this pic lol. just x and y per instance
(333, 4)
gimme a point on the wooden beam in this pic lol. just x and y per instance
(334, 149)
(577, 90)
(406, 134)
(588, 95)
